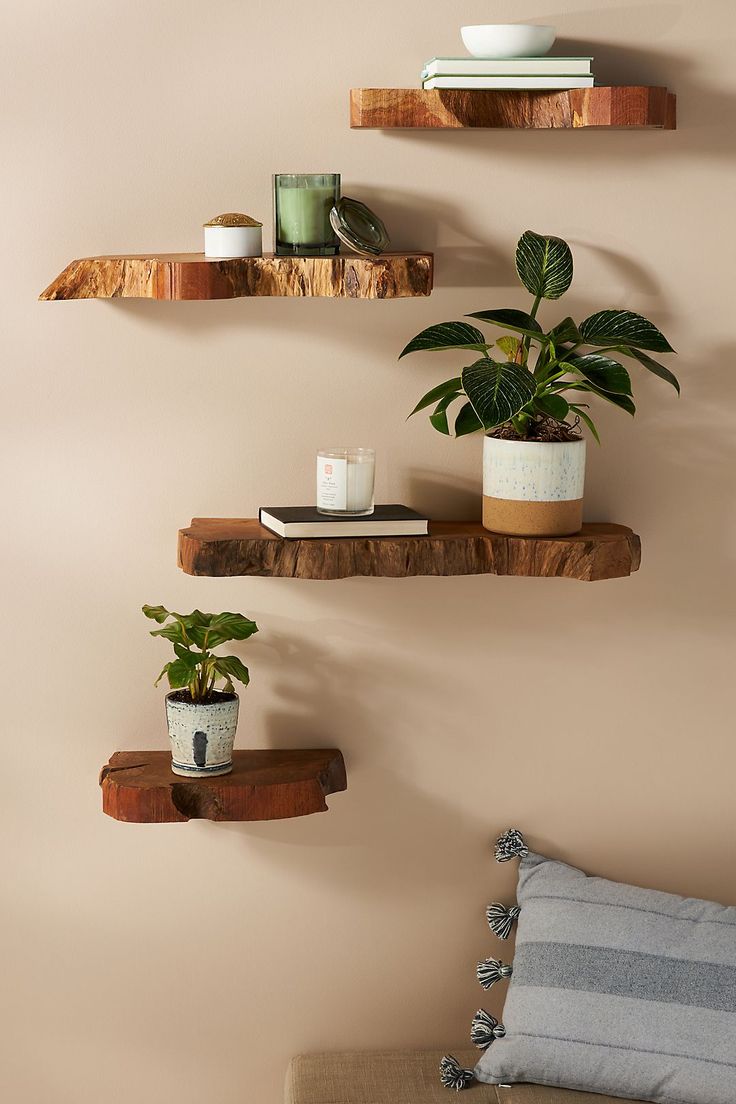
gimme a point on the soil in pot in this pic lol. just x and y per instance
(186, 698)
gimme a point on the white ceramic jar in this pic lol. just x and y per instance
(533, 488)
(233, 235)
(202, 735)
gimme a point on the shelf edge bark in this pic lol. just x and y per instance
(241, 546)
(189, 276)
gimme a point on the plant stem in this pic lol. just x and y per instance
(520, 422)
(527, 340)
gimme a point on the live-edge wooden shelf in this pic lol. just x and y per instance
(192, 276)
(139, 786)
(241, 546)
(622, 106)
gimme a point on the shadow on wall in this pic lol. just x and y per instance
(444, 495)
(323, 689)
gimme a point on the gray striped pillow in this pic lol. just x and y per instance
(617, 990)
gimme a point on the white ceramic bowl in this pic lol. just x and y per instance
(508, 40)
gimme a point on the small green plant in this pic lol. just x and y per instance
(194, 635)
(527, 398)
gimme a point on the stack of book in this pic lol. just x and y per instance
(300, 522)
(521, 73)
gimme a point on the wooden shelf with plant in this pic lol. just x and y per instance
(529, 404)
(202, 718)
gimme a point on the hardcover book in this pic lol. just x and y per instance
(509, 83)
(294, 522)
(508, 67)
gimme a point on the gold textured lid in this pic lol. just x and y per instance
(233, 219)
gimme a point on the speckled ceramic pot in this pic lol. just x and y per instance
(202, 736)
(533, 488)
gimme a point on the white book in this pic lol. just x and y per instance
(509, 83)
(507, 67)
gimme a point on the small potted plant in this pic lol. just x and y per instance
(528, 403)
(201, 718)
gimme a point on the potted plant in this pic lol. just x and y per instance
(528, 403)
(201, 718)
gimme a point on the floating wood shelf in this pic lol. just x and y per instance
(241, 546)
(139, 786)
(191, 276)
(438, 109)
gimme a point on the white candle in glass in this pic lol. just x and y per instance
(345, 478)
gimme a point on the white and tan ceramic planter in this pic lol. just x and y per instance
(533, 488)
(202, 736)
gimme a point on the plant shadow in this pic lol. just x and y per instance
(322, 688)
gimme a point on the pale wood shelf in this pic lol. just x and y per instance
(192, 276)
(242, 546)
(612, 106)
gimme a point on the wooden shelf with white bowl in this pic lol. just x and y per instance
(624, 107)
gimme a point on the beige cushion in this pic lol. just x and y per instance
(406, 1077)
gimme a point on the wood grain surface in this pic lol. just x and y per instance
(140, 787)
(242, 546)
(191, 276)
(607, 106)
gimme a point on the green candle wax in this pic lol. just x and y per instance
(302, 214)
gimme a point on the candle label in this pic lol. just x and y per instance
(332, 483)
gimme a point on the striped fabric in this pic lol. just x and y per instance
(618, 990)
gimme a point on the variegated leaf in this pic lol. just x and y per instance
(623, 327)
(544, 264)
(497, 391)
(447, 335)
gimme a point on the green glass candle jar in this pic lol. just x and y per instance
(302, 204)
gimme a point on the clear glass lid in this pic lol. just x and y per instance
(359, 228)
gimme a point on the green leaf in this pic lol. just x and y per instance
(467, 421)
(652, 366)
(587, 419)
(179, 673)
(192, 659)
(229, 626)
(156, 613)
(438, 417)
(231, 667)
(544, 264)
(624, 402)
(509, 346)
(623, 327)
(606, 374)
(173, 632)
(553, 405)
(195, 624)
(437, 393)
(497, 391)
(566, 330)
(447, 335)
(513, 320)
(164, 671)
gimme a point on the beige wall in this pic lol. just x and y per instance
(188, 962)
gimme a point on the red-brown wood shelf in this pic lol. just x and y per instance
(267, 784)
(242, 546)
(611, 106)
(193, 276)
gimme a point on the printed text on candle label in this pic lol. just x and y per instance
(332, 483)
